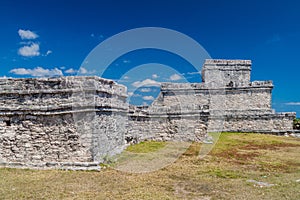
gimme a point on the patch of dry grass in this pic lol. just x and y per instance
(146, 147)
(222, 174)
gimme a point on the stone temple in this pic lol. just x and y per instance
(76, 122)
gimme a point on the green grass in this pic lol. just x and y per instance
(146, 147)
(222, 174)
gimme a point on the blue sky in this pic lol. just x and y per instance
(54, 37)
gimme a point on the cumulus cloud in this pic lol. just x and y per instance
(293, 103)
(132, 94)
(175, 77)
(37, 72)
(193, 73)
(148, 98)
(145, 90)
(71, 71)
(48, 52)
(27, 34)
(154, 76)
(4, 77)
(30, 51)
(148, 82)
(136, 95)
(25, 43)
(82, 70)
(126, 61)
(29, 47)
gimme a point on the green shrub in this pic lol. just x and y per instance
(296, 124)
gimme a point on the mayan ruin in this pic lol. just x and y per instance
(74, 122)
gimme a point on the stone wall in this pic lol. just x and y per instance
(232, 73)
(76, 122)
(67, 122)
(235, 103)
(262, 123)
(42, 140)
(167, 125)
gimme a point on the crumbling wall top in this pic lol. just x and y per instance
(60, 84)
(59, 95)
(182, 86)
(223, 62)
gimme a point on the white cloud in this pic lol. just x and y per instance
(126, 77)
(20, 71)
(175, 77)
(71, 71)
(27, 34)
(38, 72)
(25, 43)
(30, 51)
(148, 82)
(48, 52)
(148, 98)
(293, 103)
(132, 94)
(192, 73)
(82, 70)
(4, 77)
(154, 76)
(136, 95)
(146, 90)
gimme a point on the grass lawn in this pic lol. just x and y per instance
(234, 169)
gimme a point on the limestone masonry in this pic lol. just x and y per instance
(77, 122)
